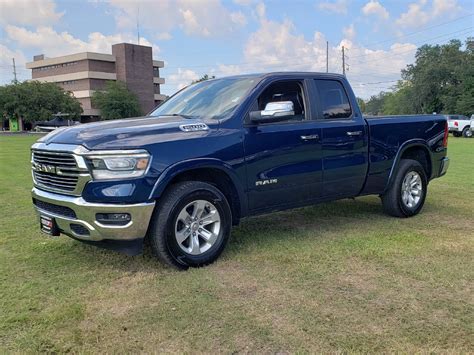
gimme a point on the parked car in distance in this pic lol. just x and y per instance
(459, 125)
(51, 125)
(224, 149)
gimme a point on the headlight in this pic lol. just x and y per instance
(106, 166)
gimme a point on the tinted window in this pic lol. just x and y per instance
(334, 100)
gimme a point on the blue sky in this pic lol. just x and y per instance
(230, 37)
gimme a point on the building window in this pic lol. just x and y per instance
(49, 67)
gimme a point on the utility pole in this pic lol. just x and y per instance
(327, 56)
(344, 65)
(138, 24)
(14, 72)
(343, 62)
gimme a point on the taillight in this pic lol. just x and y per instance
(456, 124)
(446, 132)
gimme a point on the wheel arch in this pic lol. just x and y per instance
(417, 150)
(213, 171)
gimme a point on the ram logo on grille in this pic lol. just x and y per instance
(44, 168)
(58, 171)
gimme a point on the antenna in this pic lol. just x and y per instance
(138, 24)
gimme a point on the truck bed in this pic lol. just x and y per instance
(388, 135)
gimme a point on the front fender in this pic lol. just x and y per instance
(403, 148)
(187, 165)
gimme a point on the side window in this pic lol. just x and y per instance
(334, 100)
(291, 90)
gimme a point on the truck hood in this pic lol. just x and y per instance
(130, 133)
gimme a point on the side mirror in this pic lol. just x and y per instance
(274, 111)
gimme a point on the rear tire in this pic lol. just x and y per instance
(190, 226)
(466, 132)
(406, 195)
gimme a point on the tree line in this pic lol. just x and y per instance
(32, 101)
(441, 80)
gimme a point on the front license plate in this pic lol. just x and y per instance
(48, 225)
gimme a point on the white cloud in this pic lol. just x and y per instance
(373, 7)
(419, 13)
(6, 64)
(338, 6)
(205, 18)
(182, 78)
(163, 36)
(278, 46)
(245, 2)
(260, 10)
(28, 12)
(53, 43)
(349, 31)
(414, 16)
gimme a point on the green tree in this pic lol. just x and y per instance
(361, 104)
(441, 80)
(374, 106)
(441, 76)
(203, 78)
(399, 101)
(33, 101)
(116, 102)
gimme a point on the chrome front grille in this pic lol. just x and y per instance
(59, 171)
(56, 181)
(56, 159)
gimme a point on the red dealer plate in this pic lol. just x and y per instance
(48, 225)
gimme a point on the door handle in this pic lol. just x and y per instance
(354, 133)
(310, 137)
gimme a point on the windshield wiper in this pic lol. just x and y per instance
(177, 115)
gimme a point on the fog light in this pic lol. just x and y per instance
(115, 219)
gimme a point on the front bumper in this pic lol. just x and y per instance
(444, 166)
(76, 217)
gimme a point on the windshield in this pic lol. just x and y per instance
(211, 99)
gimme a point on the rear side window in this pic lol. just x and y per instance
(334, 100)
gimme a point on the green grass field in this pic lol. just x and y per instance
(338, 277)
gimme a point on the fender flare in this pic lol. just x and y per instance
(187, 165)
(403, 148)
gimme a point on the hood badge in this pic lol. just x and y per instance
(193, 127)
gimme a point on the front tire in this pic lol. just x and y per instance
(191, 225)
(466, 132)
(406, 195)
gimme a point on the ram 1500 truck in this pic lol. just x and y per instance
(225, 149)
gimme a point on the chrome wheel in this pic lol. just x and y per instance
(197, 227)
(468, 133)
(412, 189)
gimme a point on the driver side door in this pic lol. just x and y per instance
(283, 158)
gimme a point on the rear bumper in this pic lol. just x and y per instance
(444, 166)
(76, 217)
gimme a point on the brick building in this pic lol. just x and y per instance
(83, 73)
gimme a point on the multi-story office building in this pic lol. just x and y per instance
(84, 73)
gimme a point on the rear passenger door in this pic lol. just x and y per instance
(344, 141)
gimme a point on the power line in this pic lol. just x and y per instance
(286, 63)
(419, 31)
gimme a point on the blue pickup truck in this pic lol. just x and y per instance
(225, 149)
